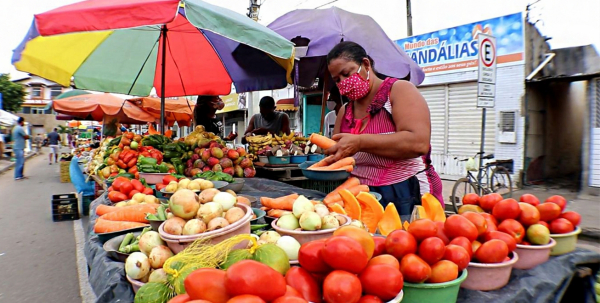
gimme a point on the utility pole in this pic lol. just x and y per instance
(409, 31)
(254, 9)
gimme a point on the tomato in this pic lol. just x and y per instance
(379, 246)
(183, 298)
(458, 255)
(414, 269)
(126, 188)
(443, 271)
(361, 236)
(529, 214)
(319, 277)
(432, 250)
(110, 189)
(115, 196)
(341, 287)
(561, 226)
(464, 243)
(286, 299)
(131, 193)
(243, 278)
(572, 216)
(206, 284)
(301, 280)
(198, 301)
(477, 220)
(385, 260)
(168, 178)
(471, 198)
(441, 233)
(508, 239)
(545, 224)
(148, 191)
(246, 299)
(489, 217)
(558, 200)
(549, 211)
(137, 185)
(311, 259)
(492, 251)
(292, 292)
(512, 228)
(506, 209)
(474, 247)
(400, 243)
(488, 201)
(160, 186)
(530, 199)
(457, 226)
(344, 253)
(422, 229)
(118, 181)
(369, 299)
(382, 281)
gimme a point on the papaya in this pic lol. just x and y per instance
(154, 292)
(420, 213)
(470, 207)
(390, 220)
(337, 208)
(371, 210)
(350, 204)
(433, 208)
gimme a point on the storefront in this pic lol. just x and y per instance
(234, 115)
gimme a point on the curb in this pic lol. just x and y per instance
(591, 233)
(12, 164)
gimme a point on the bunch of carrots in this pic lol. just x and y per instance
(323, 142)
(112, 218)
(352, 184)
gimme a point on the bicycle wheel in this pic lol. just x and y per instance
(462, 187)
(500, 182)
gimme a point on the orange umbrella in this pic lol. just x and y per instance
(96, 106)
(176, 109)
(74, 123)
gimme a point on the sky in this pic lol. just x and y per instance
(568, 23)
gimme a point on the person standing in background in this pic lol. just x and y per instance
(19, 136)
(38, 144)
(205, 114)
(54, 139)
(1, 145)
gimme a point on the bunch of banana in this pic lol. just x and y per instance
(256, 142)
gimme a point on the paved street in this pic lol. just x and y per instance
(37, 255)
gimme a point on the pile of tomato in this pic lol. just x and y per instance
(124, 188)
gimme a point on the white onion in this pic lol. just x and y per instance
(226, 200)
(193, 227)
(137, 266)
(209, 211)
(270, 236)
(302, 205)
(310, 221)
(290, 245)
(158, 275)
(288, 221)
(321, 210)
(159, 255)
(150, 240)
(330, 222)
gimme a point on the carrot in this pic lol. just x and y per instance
(285, 202)
(348, 168)
(105, 209)
(265, 208)
(342, 163)
(355, 190)
(277, 213)
(321, 141)
(333, 196)
(321, 163)
(134, 213)
(106, 226)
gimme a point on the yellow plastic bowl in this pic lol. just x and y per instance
(565, 243)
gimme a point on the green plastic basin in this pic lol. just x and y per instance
(433, 292)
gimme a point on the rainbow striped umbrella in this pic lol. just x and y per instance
(179, 47)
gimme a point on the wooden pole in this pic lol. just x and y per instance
(324, 98)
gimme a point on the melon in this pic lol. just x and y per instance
(234, 256)
(154, 292)
(183, 273)
(273, 256)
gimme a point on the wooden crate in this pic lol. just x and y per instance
(65, 176)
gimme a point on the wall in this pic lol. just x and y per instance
(49, 122)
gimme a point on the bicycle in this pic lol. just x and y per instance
(497, 182)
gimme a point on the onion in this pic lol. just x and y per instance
(207, 195)
(270, 236)
(288, 221)
(159, 255)
(302, 205)
(158, 275)
(226, 200)
(234, 214)
(209, 211)
(148, 241)
(290, 245)
(217, 223)
(171, 187)
(194, 226)
(174, 226)
(193, 185)
(137, 265)
(310, 221)
(183, 184)
(358, 224)
(330, 222)
(321, 210)
(343, 220)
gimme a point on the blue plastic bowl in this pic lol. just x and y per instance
(322, 175)
(279, 160)
(298, 159)
(376, 195)
(316, 157)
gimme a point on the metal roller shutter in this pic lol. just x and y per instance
(595, 135)
(436, 100)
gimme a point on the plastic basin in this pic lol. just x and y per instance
(484, 276)
(179, 243)
(111, 247)
(103, 237)
(298, 159)
(263, 159)
(236, 186)
(531, 256)
(316, 157)
(399, 298)
(253, 200)
(135, 284)
(259, 214)
(376, 195)
(155, 224)
(279, 160)
(446, 292)
(153, 178)
(565, 243)
(306, 236)
(322, 175)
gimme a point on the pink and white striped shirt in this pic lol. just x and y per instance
(371, 169)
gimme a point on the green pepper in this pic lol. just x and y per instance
(170, 154)
(163, 168)
(147, 161)
(179, 168)
(147, 168)
(175, 161)
(258, 227)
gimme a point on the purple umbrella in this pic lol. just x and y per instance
(327, 27)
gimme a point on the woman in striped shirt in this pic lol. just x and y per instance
(385, 127)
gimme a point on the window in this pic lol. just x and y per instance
(507, 127)
(36, 92)
(55, 91)
(25, 110)
(37, 110)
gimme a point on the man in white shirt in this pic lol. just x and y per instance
(334, 104)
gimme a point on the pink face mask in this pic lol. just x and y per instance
(355, 87)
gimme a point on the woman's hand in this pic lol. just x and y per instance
(347, 145)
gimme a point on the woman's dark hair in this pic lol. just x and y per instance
(350, 51)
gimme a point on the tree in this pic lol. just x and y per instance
(13, 94)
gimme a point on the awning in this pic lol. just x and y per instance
(7, 119)
(286, 105)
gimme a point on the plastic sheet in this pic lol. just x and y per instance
(78, 179)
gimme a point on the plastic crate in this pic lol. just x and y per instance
(322, 186)
(65, 207)
(65, 175)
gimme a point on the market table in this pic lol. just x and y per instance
(548, 282)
